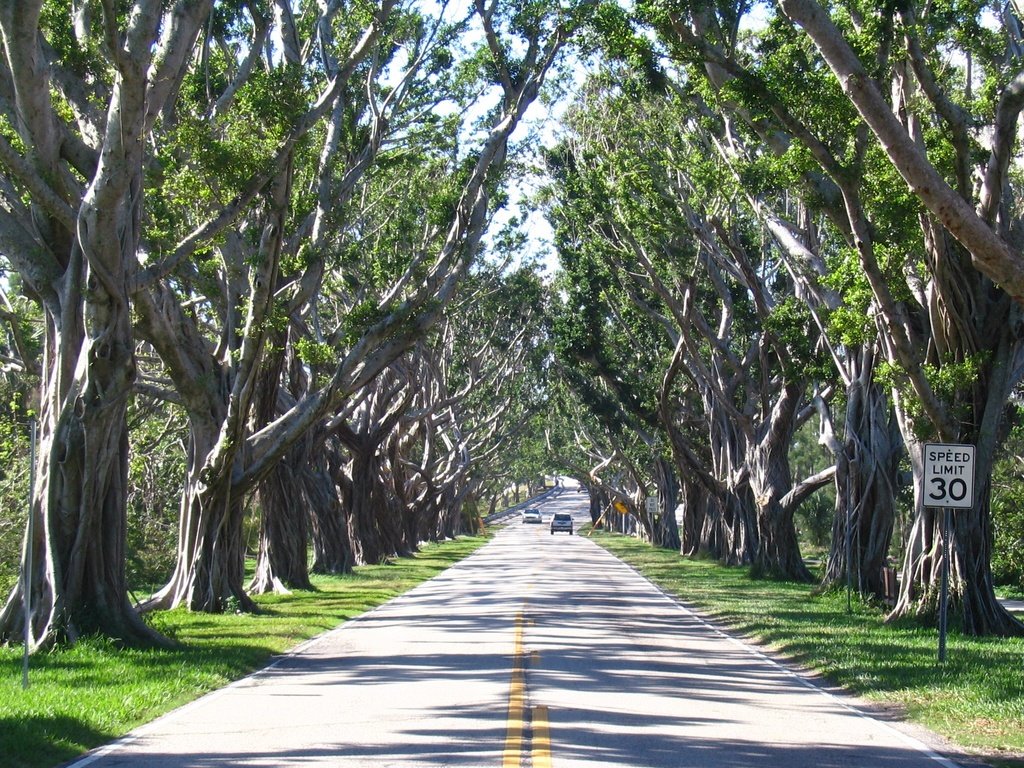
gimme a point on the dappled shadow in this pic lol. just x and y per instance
(25, 741)
(476, 744)
(626, 752)
(647, 751)
(628, 678)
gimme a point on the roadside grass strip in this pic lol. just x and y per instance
(93, 692)
(975, 699)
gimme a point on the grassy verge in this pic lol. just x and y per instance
(975, 699)
(89, 694)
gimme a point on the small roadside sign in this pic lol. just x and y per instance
(948, 485)
(949, 475)
(651, 505)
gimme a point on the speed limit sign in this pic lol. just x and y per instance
(948, 475)
(948, 484)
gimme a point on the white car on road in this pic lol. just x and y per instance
(532, 515)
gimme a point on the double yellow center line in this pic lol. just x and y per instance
(523, 721)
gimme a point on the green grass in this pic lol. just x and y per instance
(91, 693)
(975, 699)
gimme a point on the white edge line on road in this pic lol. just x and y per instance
(910, 741)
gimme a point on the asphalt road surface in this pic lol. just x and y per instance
(538, 651)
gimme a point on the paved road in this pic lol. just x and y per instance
(1013, 606)
(539, 651)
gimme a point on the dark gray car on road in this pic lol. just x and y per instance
(561, 522)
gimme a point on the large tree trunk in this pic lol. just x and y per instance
(454, 514)
(395, 536)
(332, 548)
(79, 505)
(733, 528)
(694, 501)
(666, 530)
(777, 553)
(598, 503)
(209, 572)
(726, 530)
(705, 529)
(738, 526)
(421, 516)
(718, 516)
(282, 562)
(364, 533)
(77, 583)
(867, 464)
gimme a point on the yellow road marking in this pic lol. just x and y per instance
(541, 738)
(512, 756)
(516, 728)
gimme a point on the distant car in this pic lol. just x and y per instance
(532, 516)
(561, 522)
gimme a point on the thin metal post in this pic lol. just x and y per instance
(849, 556)
(944, 588)
(26, 576)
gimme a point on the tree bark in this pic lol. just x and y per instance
(282, 562)
(209, 572)
(694, 500)
(867, 463)
(78, 583)
(777, 552)
(323, 479)
(83, 255)
(368, 543)
(666, 531)
(332, 548)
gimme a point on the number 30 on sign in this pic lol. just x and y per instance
(948, 475)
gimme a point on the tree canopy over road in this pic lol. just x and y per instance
(267, 293)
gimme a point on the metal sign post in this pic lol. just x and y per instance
(26, 576)
(849, 556)
(944, 586)
(948, 485)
